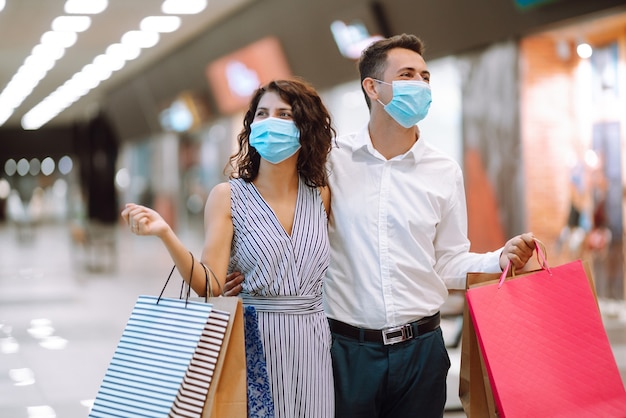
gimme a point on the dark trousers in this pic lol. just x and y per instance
(407, 379)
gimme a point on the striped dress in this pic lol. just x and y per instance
(283, 281)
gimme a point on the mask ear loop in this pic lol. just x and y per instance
(381, 82)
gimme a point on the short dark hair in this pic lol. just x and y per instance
(373, 59)
(312, 120)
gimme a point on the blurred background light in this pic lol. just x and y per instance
(584, 50)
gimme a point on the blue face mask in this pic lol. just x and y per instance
(410, 103)
(275, 139)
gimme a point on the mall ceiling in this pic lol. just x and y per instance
(179, 59)
(23, 22)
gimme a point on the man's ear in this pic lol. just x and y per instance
(369, 86)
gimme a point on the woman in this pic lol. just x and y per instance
(269, 222)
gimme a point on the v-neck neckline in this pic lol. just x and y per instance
(295, 211)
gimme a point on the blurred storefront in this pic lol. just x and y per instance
(573, 113)
(521, 116)
(537, 128)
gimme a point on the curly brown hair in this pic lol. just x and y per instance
(311, 118)
(373, 59)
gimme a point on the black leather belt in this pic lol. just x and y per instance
(387, 336)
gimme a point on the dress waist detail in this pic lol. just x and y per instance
(284, 304)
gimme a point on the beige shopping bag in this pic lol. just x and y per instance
(474, 388)
(227, 395)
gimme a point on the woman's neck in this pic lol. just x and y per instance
(277, 179)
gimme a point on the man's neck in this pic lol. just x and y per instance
(389, 138)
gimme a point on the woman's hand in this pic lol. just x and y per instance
(144, 221)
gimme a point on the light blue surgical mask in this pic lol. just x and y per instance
(275, 139)
(410, 103)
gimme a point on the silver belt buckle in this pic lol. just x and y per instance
(397, 334)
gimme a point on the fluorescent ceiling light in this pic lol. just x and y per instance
(71, 23)
(183, 7)
(83, 7)
(52, 52)
(123, 51)
(94, 73)
(64, 39)
(5, 113)
(110, 62)
(14, 100)
(2, 4)
(36, 63)
(163, 24)
(28, 78)
(64, 35)
(141, 39)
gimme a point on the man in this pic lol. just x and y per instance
(398, 234)
(398, 243)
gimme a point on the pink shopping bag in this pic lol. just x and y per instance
(544, 345)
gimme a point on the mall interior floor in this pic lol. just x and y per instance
(65, 299)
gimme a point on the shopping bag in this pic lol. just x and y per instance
(170, 360)
(544, 346)
(246, 388)
(474, 387)
(227, 395)
(152, 358)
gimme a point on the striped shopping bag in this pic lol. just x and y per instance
(178, 358)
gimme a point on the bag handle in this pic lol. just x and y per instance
(209, 288)
(182, 286)
(541, 258)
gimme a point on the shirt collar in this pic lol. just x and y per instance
(364, 141)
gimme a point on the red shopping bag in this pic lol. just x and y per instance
(544, 345)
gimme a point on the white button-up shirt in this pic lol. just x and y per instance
(398, 234)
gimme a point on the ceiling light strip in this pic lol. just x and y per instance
(45, 55)
(112, 60)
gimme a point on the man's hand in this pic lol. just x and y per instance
(519, 250)
(233, 287)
